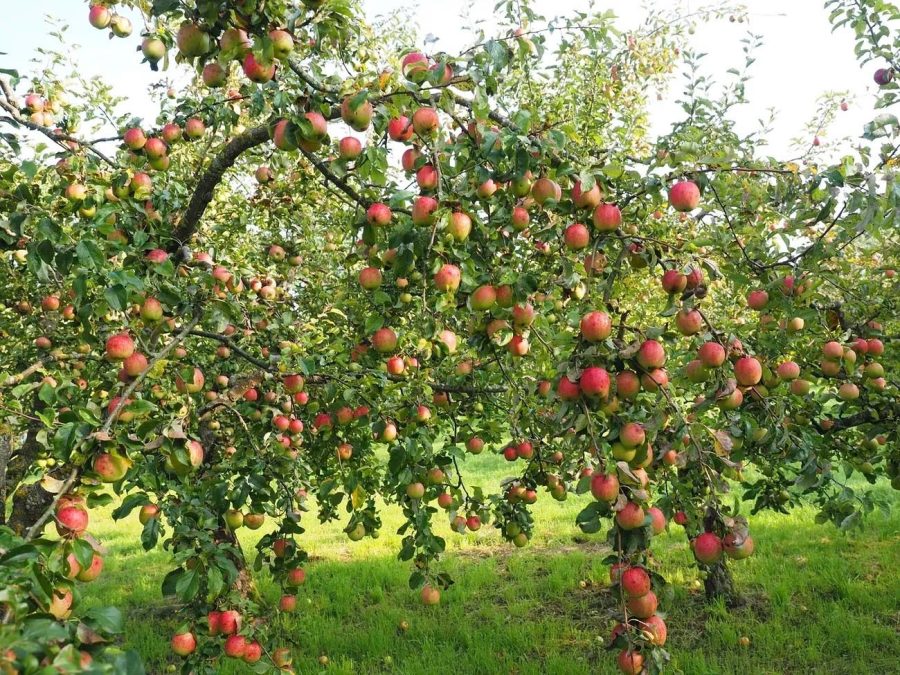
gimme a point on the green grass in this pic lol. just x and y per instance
(818, 601)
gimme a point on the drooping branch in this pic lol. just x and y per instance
(38, 526)
(15, 118)
(213, 175)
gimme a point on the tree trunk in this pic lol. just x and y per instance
(28, 501)
(720, 585)
(6, 440)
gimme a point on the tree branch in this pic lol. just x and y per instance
(206, 186)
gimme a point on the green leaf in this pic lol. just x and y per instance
(107, 620)
(188, 585)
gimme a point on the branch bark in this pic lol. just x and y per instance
(206, 187)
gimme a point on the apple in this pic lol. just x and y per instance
(425, 121)
(577, 237)
(596, 326)
(430, 595)
(282, 43)
(414, 67)
(635, 582)
(427, 177)
(147, 513)
(594, 381)
(400, 129)
(135, 364)
(448, 278)
(788, 370)
(378, 214)
(520, 218)
(630, 662)
(71, 520)
(707, 548)
(153, 49)
(119, 347)
(630, 517)
(234, 42)
(688, 322)
(459, 225)
(711, 354)
(214, 75)
(658, 522)
(99, 16)
(415, 490)
(737, 549)
(370, 278)
(134, 138)
(545, 189)
(586, 199)
(349, 148)
(628, 384)
(356, 113)
(191, 40)
(93, 570)
(183, 644)
(604, 487)
(757, 300)
(684, 196)
(747, 371)
(235, 646)
(423, 210)
(567, 390)
(384, 340)
(194, 128)
(651, 354)
(607, 217)
(483, 298)
(632, 435)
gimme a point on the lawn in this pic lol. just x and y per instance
(818, 601)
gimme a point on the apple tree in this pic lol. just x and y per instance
(335, 264)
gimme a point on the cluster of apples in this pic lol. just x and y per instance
(101, 18)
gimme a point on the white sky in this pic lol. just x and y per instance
(800, 59)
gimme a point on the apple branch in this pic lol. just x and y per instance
(205, 189)
(339, 183)
(56, 136)
(38, 525)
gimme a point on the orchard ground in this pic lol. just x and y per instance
(817, 600)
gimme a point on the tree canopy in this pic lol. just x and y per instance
(337, 262)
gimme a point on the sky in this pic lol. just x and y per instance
(799, 60)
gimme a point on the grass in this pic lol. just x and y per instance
(818, 601)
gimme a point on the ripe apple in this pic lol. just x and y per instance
(448, 278)
(604, 487)
(119, 347)
(594, 381)
(379, 214)
(630, 517)
(711, 354)
(430, 595)
(235, 646)
(635, 582)
(184, 644)
(586, 199)
(747, 371)
(684, 196)
(707, 548)
(607, 217)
